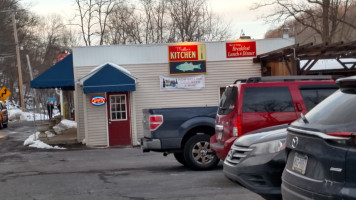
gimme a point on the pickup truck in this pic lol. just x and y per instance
(185, 132)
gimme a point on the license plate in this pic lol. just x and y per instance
(219, 135)
(300, 163)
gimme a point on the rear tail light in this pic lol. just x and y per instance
(155, 122)
(341, 134)
(344, 134)
(237, 128)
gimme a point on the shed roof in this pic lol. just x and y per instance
(108, 78)
(59, 75)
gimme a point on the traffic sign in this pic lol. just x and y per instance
(4, 93)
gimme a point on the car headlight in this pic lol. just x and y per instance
(268, 147)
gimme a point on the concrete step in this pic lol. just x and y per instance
(67, 137)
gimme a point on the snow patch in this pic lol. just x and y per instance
(49, 134)
(64, 125)
(32, 142)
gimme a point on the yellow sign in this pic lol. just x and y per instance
(4, 93)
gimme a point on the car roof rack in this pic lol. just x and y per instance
(240, 80)
(290, 78)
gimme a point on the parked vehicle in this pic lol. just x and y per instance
(185, 132)
(256, 161)
(260, 102)
(321, 149)
(4, 119)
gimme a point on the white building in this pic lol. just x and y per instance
(134, 77)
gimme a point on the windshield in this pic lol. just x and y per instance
(228, 101)
(338, 108)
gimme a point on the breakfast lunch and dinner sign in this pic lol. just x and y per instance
(240, 49)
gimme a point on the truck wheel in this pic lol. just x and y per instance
(180, 158)
(198, 155)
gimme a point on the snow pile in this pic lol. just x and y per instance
(17, 114)
(64, 125)
(49, 134)
(31, 142)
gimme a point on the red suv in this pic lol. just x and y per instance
(260, 102)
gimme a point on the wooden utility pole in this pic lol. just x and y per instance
(18, 62)
(34, 90)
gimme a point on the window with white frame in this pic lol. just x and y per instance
(118, 108)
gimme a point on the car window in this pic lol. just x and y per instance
(267, 99)
(312, 97)
(228, 101)
(336, 109)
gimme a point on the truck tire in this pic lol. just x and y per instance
(197, 153)
(180, 158)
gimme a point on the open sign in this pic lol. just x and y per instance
(98, 100)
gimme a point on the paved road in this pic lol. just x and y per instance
(109, 173)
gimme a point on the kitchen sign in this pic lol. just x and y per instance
(240, 49)
(187, 59)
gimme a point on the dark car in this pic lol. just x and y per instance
(321, 149)
(257, 160)
(260, 102)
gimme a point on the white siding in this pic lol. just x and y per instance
(78, 102)
(96, 123)
(158, 53)
(220, 74)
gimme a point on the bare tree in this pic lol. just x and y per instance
(322, 17)
(86, 13)
(192, 20)
(103, 8)
(125, 25)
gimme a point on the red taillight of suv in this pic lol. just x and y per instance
(341, 134)
(237, 127)
(344, 134)
(155, 122)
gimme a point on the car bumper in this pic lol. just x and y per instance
(260, 174)
(148, 144)
(220, 150)
(336, 191)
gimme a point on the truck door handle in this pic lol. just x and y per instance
(299, 107)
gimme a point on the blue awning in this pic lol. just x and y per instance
(59, 75)
(108, 78)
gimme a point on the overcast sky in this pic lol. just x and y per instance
(236, 12)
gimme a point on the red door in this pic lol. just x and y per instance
(119, 119)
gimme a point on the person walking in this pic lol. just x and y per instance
(49, 109)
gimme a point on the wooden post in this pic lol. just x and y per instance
(18, 63)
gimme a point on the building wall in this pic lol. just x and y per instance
(219, 74)
(147, 63)
(148, 95)
(96, 122)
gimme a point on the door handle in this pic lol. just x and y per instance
(109, 122)
(299, 107)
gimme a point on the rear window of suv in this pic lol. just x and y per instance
(313, 96)
(267, 99)
(337, 109)
(228, 101)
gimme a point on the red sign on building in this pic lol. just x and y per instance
(240, 49)
(183, 53)
(61, 56)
